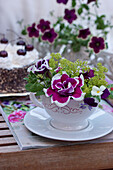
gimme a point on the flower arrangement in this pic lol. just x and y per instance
(63, 80)
(78, 27)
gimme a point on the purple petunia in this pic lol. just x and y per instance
(105, 94)
(97, 43)
(41, 66)
(43, 25)
(32, 31)
(88, 74)
(63, 88)
(70, 15)
(84, 33)
(49, 35)
(62, 1)
(90, 102)
(89, 1)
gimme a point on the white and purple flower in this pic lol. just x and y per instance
(63, 88)
(40, 67)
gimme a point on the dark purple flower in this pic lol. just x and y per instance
(70, 15)
(84, 33)
(89, 74)
(90, 102)
(43, 25)
(105, 94)
(62, 1)
(63, 88)
(32, 31)
(97, 43)
(91, 1)
(49, 35)
(41, 66)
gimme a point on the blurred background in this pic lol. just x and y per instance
(12, 11)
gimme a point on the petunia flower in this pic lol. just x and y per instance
(49, 36)
(97, 43)
(62, 1)
(90, 101)
(105, 94)
(63, 88)
(43, 25)
(96, 91)
(40, 67)
(88, 74)
(32, 31)
(89, 1)
(83, 33)
(16, 116)
(70, 15)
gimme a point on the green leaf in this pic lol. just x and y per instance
(24, 32)
(34, 87)
(39, 93)
(85, 6)
(73, 3)
(80, 10)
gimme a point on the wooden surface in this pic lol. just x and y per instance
(80, 157)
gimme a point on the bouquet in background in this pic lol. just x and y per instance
(79, 27)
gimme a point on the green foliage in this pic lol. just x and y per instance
(73, 3)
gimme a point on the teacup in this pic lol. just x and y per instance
(70, 117)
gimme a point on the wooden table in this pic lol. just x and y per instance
(80, 157)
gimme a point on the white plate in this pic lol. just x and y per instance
(38, 122)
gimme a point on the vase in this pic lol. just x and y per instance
(73, 116)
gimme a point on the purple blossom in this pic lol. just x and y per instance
(32, 31)
(89, 1)
(62, 1)
(84, 33)
(70, 15)
(89, 74)
(49, 35)
(90, 101)
(63, 88)
(41, 66)
(43, 25)
(105, 94)
(97, 43)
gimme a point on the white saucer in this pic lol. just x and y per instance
(38, 122)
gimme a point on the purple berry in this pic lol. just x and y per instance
(3, 53)
(4, 41)
(21, 52)
(29, 47)
(21, 42)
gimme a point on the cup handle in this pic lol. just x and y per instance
(35, 101)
